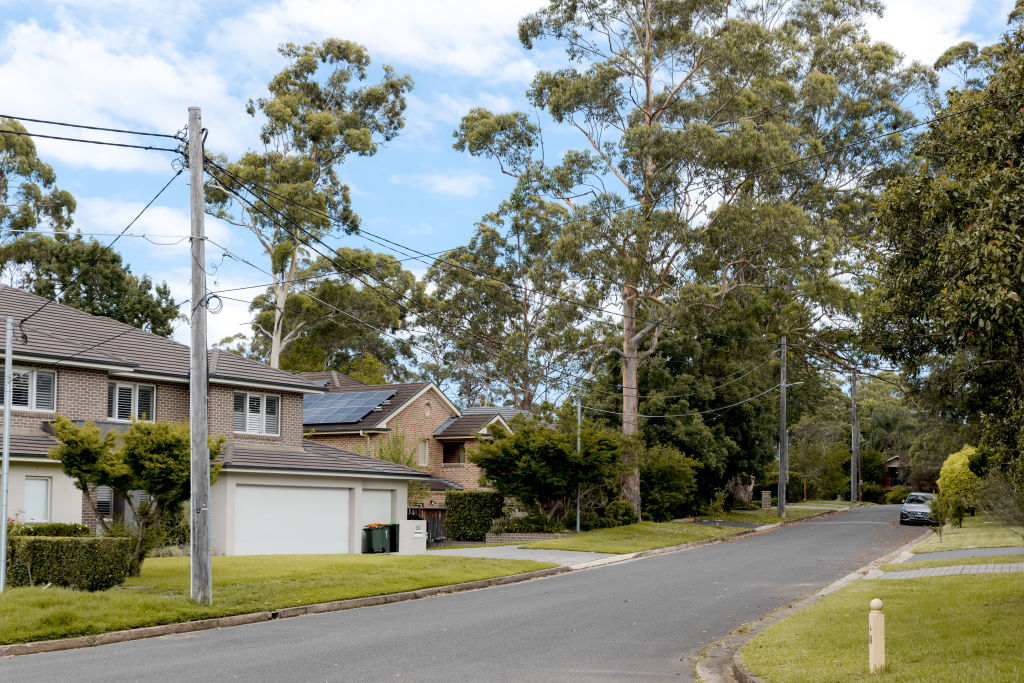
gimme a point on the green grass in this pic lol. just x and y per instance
(635, 537)
(977, 532)
(838, 504)
(240, 585)
(768, 516)
(952, 562)
(955, 628)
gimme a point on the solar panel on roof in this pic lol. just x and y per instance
(343, 408)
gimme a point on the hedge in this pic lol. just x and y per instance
(81, 563)
(52, 529)
(469, 514)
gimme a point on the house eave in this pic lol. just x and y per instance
(347, 474)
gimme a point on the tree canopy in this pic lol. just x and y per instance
(29, 197)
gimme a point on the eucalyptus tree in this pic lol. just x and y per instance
(507, 319)
(316, 115)
(694, 121)
(29, 196)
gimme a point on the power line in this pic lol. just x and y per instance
(82, 271)
(750, 369)
(79, 125)
(5, 131)
(696, 412)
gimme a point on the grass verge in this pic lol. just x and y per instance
(634, 537)
(240, 585)
(952, 562)
(956, 628)
(977, 532)
(768, 516)
(459, 546)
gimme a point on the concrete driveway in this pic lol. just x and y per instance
(565, 558)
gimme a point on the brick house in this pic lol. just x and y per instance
(440, 433)
(277, 493)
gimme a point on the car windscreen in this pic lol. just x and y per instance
(916, 499)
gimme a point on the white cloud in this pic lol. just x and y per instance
(923, 29)
(460, 184)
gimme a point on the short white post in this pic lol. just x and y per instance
(876, 636)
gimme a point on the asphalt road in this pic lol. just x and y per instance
(643, 619)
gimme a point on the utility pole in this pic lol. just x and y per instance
(579, 429)
(201, 563)
(8, 393)
(854, 440)
(783, 436)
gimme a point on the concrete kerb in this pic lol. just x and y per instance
(722, 662)
(127, 635)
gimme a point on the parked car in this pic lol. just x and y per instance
(917, 509)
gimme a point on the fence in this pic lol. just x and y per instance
(434, 517)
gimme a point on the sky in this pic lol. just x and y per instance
(140, 65)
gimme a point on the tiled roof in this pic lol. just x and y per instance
(37, 445)
(62, 334)
(332, 380)
(314, 456)
(403, 394)
(506, 412)
(465, 425)
(439, 484)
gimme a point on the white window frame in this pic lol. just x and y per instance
(48, 481)
(32, 375)
(262, 430)
(134, 386)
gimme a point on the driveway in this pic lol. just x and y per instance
(565, 558)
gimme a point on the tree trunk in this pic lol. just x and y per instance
(630, 481)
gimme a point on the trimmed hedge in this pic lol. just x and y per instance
(81, 563)
(53, 529)
(534, 524)
(469, 514)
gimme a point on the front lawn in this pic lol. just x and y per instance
(952, 562)
(977, 532)
(768, 516)
(635, 537)
(950, 628)
(240, 585)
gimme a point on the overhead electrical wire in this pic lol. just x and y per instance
(80, 125)
(6, 131)
(692, 413)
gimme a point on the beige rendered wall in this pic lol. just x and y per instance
(65, 499)
(222, 501)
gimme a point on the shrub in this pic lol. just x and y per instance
(871, 493)
(534, 524)
(619, 513)
(957, 482)
(897, 494)
(73, 562)
(46, 529)
(668, 482)
(469, 514)
(716, 508)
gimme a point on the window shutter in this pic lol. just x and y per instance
(104, 501)
(146, 409)
(272, 417)
(124, 403)
(239, 421)
(111, 390)
(19, 394)
(424, 458)
(45, 390)
(254, 424)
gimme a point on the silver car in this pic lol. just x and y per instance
(917, 509)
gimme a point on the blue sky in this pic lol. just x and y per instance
(139, 65)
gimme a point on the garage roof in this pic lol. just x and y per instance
(314, 456)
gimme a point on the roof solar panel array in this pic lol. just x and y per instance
(341, 408)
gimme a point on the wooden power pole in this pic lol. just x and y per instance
(854, 440)
(201, 563)
(783, 440)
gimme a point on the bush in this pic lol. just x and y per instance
(80, 563)
(956, 480)
(534, 524)
(897, 494)
(872, 493)
(716, 508)
(469, 514)
(48, 529)
(619, 513)
(668, 483)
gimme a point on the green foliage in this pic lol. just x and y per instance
(80, 563)
(716, 508)
(957, 483)
(538, 465)
(396, 449)
(52, 265)
(1001, 495)
(151, 457)
(316, 115)
(29, 197)
(50, 529)
(531, 524)
(470, 513)
(870, 492)
(618, 513)
(940, 511)
(668, 483)
(897, 494)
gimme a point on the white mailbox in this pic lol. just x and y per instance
(412, 537)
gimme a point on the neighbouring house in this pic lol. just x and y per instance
(277, 492)
(360, 417)
(892, 476)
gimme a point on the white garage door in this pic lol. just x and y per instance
(288, 520)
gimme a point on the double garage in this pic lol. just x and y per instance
(278, 514)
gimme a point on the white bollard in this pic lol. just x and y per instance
(876, 637)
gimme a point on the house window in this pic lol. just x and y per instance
(454, 452)
(423, 455)
(130, 401)
(104, 501)
(32, 389)
(257, 414)
(37, 499)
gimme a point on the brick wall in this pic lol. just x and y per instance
(465, 474)
(222, 406)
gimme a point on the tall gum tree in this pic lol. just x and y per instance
(680, 108)
(317, 115)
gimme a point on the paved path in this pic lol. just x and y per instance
(565, 558)
(643, 619)
(969, 552)
(956, 570)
